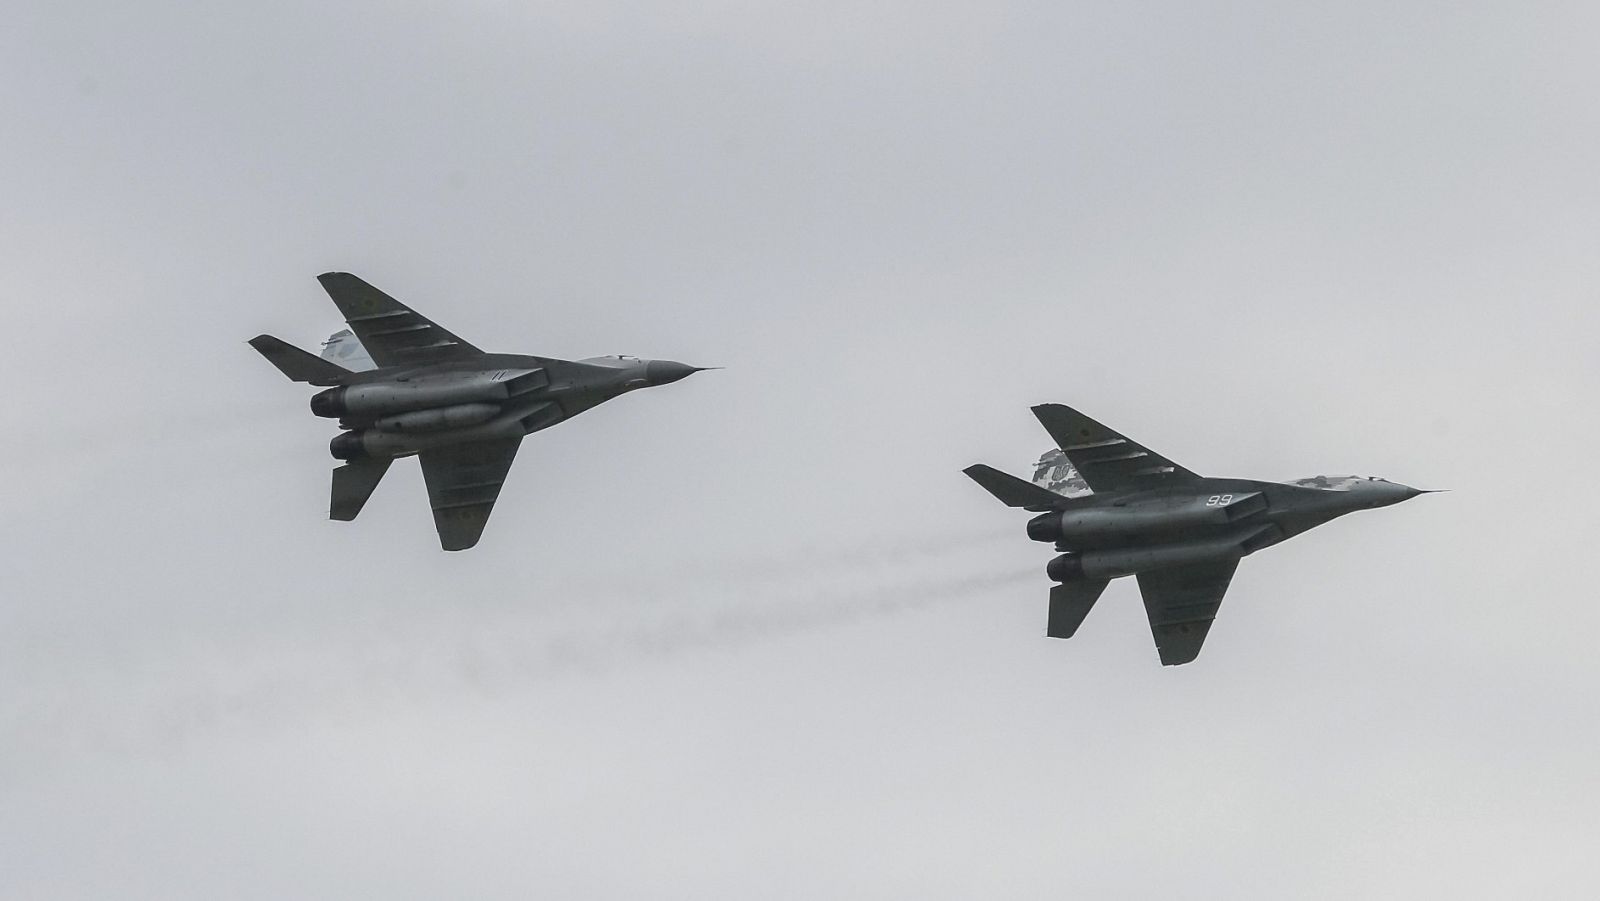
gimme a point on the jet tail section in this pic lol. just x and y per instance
(353, 483)
(1015, 492)
(298, 365)
(342, 349)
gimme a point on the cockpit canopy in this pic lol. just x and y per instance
(1335, 483)
(614, 361)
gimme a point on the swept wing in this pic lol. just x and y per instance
(1181, 602)
(463, 482)
(392, 333)
(1106, 460)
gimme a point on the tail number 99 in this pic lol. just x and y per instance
(1219, 500)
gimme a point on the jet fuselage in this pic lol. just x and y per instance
(1210, 520)
(403, 410)
(401, 385)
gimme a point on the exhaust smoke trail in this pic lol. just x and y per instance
(804, 562)
(172, 706)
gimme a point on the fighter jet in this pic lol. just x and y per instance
(1181, 534)
(420, 390)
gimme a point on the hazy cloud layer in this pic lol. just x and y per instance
(753, 634)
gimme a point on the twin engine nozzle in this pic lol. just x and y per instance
(1045, 527)
(329, 404)
(348, 446)
(1065, 568)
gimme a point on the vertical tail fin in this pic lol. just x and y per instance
(343, 349)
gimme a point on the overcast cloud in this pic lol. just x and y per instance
(753, 634)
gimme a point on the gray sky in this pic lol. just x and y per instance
(753, 635)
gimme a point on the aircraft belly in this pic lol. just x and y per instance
(1112, 564)
(1127, 560)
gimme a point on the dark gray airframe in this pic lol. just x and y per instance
(1181, 534)
(461, 411)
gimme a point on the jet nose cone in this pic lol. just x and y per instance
(1381, 493)
(665, 372)
(1406, 493)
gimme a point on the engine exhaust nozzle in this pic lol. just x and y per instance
(328, 404)
(1065, 568)
(348, 446)
(1045, 527)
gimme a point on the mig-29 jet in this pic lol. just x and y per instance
(428, 393)
(1181, 534)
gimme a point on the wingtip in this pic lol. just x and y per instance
(269, 345)
(1042, 412)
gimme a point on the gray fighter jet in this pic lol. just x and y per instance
(461, 411)
(1181, 534)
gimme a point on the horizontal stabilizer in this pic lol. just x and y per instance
(1012, 491)
(1070, 603)
(296, 363)
(353, 483)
